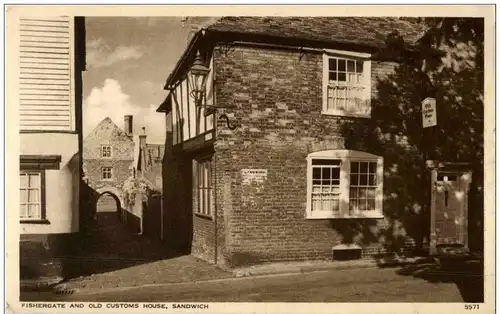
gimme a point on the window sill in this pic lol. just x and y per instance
(203, 216)
(346, 114)
(344, 216)
(35, 221)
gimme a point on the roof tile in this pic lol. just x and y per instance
(367, 31)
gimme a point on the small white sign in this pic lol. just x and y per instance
(253, 175)
(429, 115)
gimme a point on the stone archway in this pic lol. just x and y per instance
(114, 192)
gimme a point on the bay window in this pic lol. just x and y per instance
(344, 184)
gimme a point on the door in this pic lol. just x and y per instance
(450, 218)
(449, 210)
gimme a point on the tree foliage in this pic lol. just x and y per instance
(447, 63)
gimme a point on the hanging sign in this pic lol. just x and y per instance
(429, 114)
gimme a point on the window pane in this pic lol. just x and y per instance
(372, 179)
(332, 162)
(335, 173)
(332, 64)
(363, 179)
(330, 104)
(332, 76)
(342, 66)
(363, 167)
(354, 167)
(200, 201)
(316, 182)
(359, 66)
(316, 173)
(372, 167)
(24, 180)
(325, 173)
(23, 212)
(353, 193)
(371, 204)
(206, 202)
(350, 65)
(33, 196)
(351, 78)
(315, 202)
(341, 77)
(33, 180)
(335, 205)
(23, 196)
(354, 179)
(362, 205)
(33, 211)
(205, 174)
(353, 205)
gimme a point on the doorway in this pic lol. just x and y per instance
(449, 205)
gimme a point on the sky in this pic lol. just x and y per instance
(128, 62)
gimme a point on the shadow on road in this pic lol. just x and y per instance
(466, 273)
(108, 245)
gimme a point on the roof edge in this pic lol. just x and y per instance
(182, 59)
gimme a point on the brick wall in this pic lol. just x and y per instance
(278, 99)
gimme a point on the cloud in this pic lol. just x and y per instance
(109, 100)
(100, 54)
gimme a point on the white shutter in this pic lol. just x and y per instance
(45, 81)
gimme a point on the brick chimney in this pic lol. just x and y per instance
(128, 125)
(142, 146)
(142, 138)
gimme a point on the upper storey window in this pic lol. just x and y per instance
(346, 84)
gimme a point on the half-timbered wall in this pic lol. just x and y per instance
(46, 87)
(189, 120)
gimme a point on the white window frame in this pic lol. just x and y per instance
(40, 201)
(110, 151)
(366, 81)
(346, 157)
(110, 172)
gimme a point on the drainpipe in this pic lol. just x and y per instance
(216, 244)
(161, 214)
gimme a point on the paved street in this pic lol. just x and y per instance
(348, 285)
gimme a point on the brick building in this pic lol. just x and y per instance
(280, 170)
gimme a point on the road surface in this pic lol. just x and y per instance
(348, 285)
